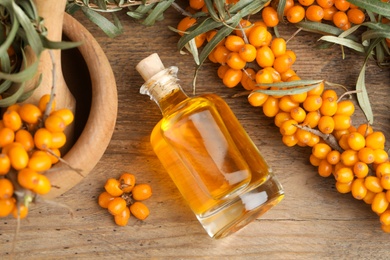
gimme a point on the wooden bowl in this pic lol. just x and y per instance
(90, 78)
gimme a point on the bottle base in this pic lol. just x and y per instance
(243, 209)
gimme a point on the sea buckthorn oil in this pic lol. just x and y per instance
(208, 154)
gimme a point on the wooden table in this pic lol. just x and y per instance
(312, 221)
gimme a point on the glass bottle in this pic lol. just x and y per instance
(213, 162)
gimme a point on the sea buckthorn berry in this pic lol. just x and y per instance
(356, 16)
(257, 99)
(184, 24)
(345, 107)
(373, 184)
(270, 16)
(315, 139)
(299, 98)
(104, 199)
(340, 19)
(358, 189)
(295, 14)
(329, 93)
(349, 157)
(292, 55)
(113, 187)
(303, 136)
(344, 175)
(325, 168)
(28, 178)
(247, 52)
(43, 101)
(234, 61)
(326, 124)
(289, 140)
(271, 106)
(39, 161)
(54, 124)
(54, 154)
(360, 169)
(58, 140)
(356, 141)
(142, 192)
(369, 197)
(306, 2)
(20, 211)
(127, 181)
(25, 138)
(18, 157)
(341, 122)
(288, 76)
(381, 156)
(382, 169)
(43, 185)
(265, 57)
(385, 181)
(222, 70)
(7, 136)
(6, 188)
(12, 120)
(122, 218)
(6, 206)
(245, 26)
(278, 46)
(375, 140)
(314, 13)
(282, 63)
(380, 203)
(298, 113)
(281, 117)
(288, 127)
(5, 164)
(220, 54)
(30, 113)
(196, 4)
(139, 210)
(312, 119)
(317, 91)
(66, 115)
(342, 5)
(258, 36)
(325, 3)
(232, 77)
(312, 103)
(321, 150)
(384, 218)
(333, 157)
(234, 43)
(343, 188)
(329, 106)
(15, 107)
(366, 155)
(286, 104)
(263, 76)
(365, 129)
(116, 206)
(314, 160)
(43, 139)
(329, 12)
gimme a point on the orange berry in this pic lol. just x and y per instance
(58, 140)
(329, 12)
(257, 99)
(358, 189)
(306, 2)
(142, 192)
(312, 119)
(312, 103)
(314, 160)
(290, 140)
(104, 199)
(258, 36)
(282, 63)
(20, 211)
(373, 184)
(184, 24)
(7, 136)
(349, 157)
(365, 129)
(329, 106)
(270, 16)
(43, 139)
(344, 175)
(342, 5)
(220, 54)
(384, 218)
(244, 27)
(234, 43)
(127, 182)
(271, 106)
(380, 203)
(343, 187)
(356, 16)
(380, 156)
(113, 187)
(25, 138)
(265, 57)
(30, 113)
(298, 113)
(333, 157)
(340, 19)
(278, 46)
(6, 188)
(54, 124)
(356, 141)
(317, 90)
(43, 185)
(234, 61)
(116, 206)
(288, 127)
(341, 122)
(382, 169)
(139, 210)
(222, 70)
(325, 3)
(44, 101)
(232, 77)
(28, 178)
(385, 181)
(366, 155)
(326, 124)
(295, 14)
(6, 206)
(321, 150)
(122, 218)
(286, 104)
(196, 4)
(18, 157)
(375, 140)
(39, 161)
(314, 13)
(325, 168)
(247, 52)
(12, 120)
(345, 107)
(5, 164)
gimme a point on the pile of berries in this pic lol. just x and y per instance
(30, 143)
(122, 198)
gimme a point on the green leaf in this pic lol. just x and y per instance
(290, 88)
(322, 28)
(160, 8)
(345, 42)
(107, 26)
(59, 45)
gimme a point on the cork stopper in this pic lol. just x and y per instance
(150, 66)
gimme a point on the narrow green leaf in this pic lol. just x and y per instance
(160, 8)
(345, 42)
(375, 6)
(59, 45)
(280, 9)
(290, 91)
(107, 26)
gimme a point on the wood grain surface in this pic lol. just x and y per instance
(313, 221)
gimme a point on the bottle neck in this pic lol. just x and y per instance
(163, 89)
